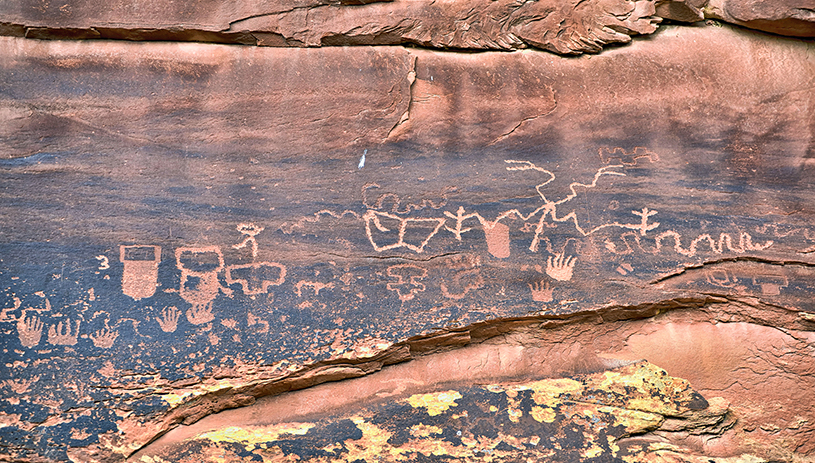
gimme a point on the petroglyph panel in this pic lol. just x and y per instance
(187, 220)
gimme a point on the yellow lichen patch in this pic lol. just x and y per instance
(593, 451)
(547, 391)
(634, 421)
(655, 390)
(256, 434)
(435, 403)
(372, 445)
(515, 414)
(423, 430)
(543, 414)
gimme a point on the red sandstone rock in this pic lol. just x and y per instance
(783, 17)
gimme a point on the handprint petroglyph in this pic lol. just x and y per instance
(104, 338)
(29, 330)
(560, 266)
(61, 334)
(169, 319)
(541, 291)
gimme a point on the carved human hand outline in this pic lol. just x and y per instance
(169, 319)
(104, 338)
(29, 330)
(560, 266)
(541, 291)
(199, 314)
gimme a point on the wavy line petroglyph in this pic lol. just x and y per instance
(497, 234)
(288, 228)
(315, 286)
(745, 244)
(621, 156)
(380, 200)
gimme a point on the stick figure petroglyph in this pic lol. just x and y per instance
(61, 335)
(560, 267)
(251, 231)
(29, 330)
(169, 319)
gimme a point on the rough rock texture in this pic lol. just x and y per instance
(784, 17)
(191, 228)
(560, 26)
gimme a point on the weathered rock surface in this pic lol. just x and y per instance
(192, 228)
(785, 17)
(560, 26)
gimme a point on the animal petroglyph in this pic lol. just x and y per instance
(621, 156)
(725, 242)
(104, 338)
(407, 282)
(61, 335)
(541, 291)
(257, 277)
(6, 314)
(29, 330)
(401, 231)
(250, 230)
(140, 276)
(467, 277)
(560, 266)
(316, 286)
(169, 319)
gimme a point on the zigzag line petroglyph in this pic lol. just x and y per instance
(745, 243)
(288, 229)
(549, 208)
(629, 159)
(397, 201)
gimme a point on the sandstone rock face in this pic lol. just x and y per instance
(601, 257)
(788, 17)
(561, 26)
